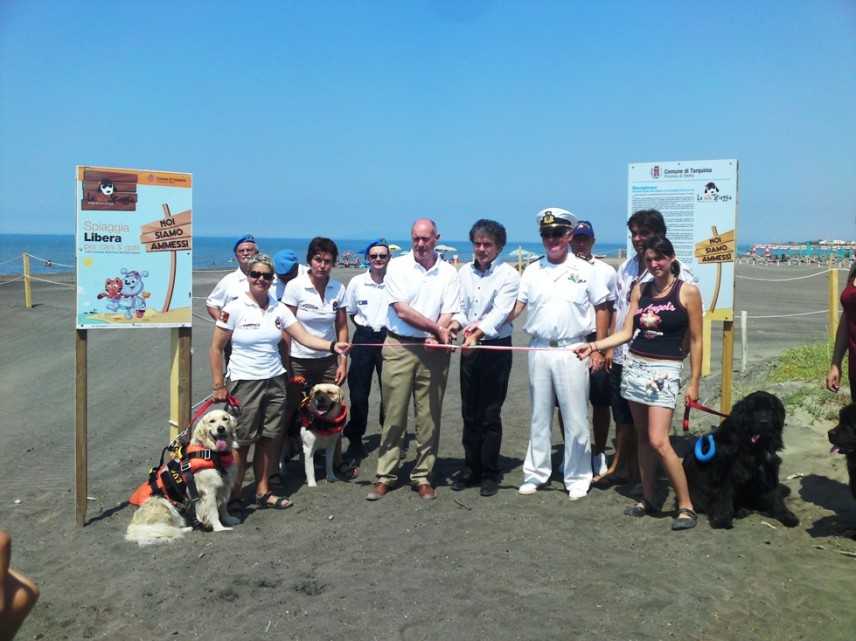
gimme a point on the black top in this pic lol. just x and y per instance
(660, 324)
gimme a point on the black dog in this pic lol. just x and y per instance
(843, 439)
(743, 474)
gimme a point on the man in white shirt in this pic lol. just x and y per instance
(367, 305)
(565, 298)
(423, 295)
(643, 225)
(233, 284)
(488, 293)
(582, 243)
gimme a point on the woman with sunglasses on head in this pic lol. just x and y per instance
(665, 315)
(256, 323)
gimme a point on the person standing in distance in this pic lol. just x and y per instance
(423, 296)
(366, 304)
(562, 293)
(488, 293)
(582, 243)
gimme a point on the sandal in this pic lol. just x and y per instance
(263, 502)
(642, 508)
(689, 521)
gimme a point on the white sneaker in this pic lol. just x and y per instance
(527, 488)
(598, 464)
(577, 493)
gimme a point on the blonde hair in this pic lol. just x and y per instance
(263, 259)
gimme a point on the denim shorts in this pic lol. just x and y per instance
(651, 382)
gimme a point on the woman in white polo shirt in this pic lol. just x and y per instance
(256, 323)
(318, 302)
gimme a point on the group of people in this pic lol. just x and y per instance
(615, 339)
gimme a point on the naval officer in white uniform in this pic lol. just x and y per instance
(563, 295)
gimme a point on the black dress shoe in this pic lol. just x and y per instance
(464, 480)
(489, 487)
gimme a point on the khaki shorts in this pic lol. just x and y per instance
(262, 408)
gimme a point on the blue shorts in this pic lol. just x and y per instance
(651, 382)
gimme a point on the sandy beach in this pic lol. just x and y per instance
(460, 567)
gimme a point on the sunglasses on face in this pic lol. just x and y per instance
(378, 256)
(264, 275)
(552, 233)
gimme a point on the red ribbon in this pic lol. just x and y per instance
(698, 406)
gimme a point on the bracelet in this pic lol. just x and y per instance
(216, 387)
(332, 347)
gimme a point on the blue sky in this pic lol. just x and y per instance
(349, 119)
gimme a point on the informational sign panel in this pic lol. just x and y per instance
(698, 199)
(134, 248)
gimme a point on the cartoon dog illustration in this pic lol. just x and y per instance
(133, 300)
(711, 191)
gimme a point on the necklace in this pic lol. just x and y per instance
(659, 292)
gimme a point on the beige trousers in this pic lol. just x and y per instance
(419, 372)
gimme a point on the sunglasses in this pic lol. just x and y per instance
(378, 256)
(553, 233)
(265, 275)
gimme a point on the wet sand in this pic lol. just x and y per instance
(460, 567)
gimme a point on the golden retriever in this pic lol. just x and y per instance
(159, 519)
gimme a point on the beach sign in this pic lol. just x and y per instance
(696, 198)
(134, 255)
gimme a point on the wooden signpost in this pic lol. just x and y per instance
(718, 249)
(173, 233)
(110, 203)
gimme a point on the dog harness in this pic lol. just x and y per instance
(318, 422)
(173, 480)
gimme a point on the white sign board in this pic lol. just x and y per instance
(698, 200)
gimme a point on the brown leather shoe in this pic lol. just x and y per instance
(426, 491)
(378, 492)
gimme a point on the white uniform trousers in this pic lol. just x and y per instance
(558, 375)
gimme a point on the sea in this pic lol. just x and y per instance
(56, 253)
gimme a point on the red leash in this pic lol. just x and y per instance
(698, 406)
(230, 401)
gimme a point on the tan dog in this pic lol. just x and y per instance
(210, 456)
(322, 418)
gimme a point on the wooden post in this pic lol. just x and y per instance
(28, 294)
(81, 480)
(832, 316)
(744, 339)
(179, 380)
(727, 366)
(705, 342)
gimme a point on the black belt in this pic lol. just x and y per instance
(367, 328)
(406, 339)
(495, 341)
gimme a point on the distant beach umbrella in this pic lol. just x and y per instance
(521, 253)
(445, 249)
(394, 248)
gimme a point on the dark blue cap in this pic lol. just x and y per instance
(249, 238)
(584, 228)
(380, 241)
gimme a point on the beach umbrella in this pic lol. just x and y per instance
(394, 248)
(520, 253)
(445, 249)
